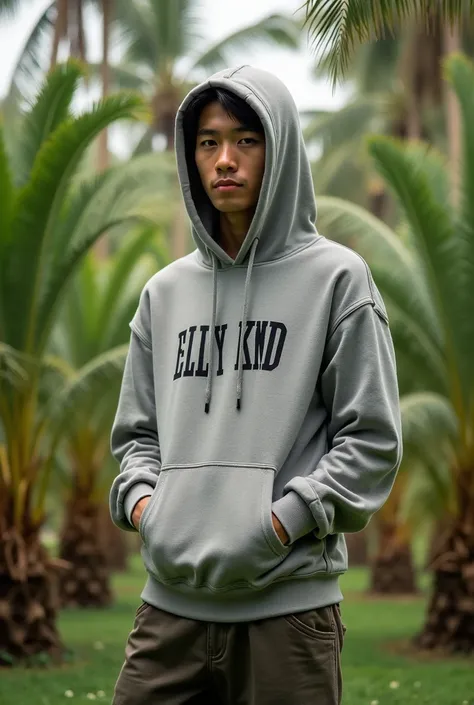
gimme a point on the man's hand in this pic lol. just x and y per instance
(278, 526)
(138, 510)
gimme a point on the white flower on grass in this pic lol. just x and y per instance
(98, 646)
(91, 696)
(374, 702)
(69, 694)
(100, 694)
(394, 685)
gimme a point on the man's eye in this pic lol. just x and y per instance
(204, 143)
(249, 139)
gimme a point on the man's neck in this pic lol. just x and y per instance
(233, 228)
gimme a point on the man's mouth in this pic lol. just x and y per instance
(226, 185)
(230, 187)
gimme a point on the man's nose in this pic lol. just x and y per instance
(225, 159)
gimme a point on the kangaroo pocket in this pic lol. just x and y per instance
(211, 526)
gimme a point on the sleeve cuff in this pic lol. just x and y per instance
(134, 495)
(295, 515)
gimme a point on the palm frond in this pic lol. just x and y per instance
(424, 363)
(93, 382)
(440, 254)
(8, 7)
(136, 30)
(192, 24)
(126, 76)
(14, 366)
(460, 73)
(337, 26)
(145, 143)
(355, 119)
(38, 206)
(398, 270)
(118, 330)
(428, 494)
(430, 431)
(80, 311)
(121, 268)
(176, 30)
(6, 214)
(344, 171)
(49, 110)
(274, 30)
(28, 66)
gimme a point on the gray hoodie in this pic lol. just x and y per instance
(256, 385)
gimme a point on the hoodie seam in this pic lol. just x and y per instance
(218, 463)
(239, 68)
(367, 300)
(266, 263)
(252, 92)
(141, 335)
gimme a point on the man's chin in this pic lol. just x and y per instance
(229, 207)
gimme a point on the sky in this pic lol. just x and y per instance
(219, 17)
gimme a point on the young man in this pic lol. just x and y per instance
(258, 420)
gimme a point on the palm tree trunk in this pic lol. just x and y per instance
(392, 570)
(357, 548)
(75, 29)
(114, 542)
(449, 624)
(28, 598)
(101, 247)
(452, 43)
(105, 76)
(60, 29)
(87, 583)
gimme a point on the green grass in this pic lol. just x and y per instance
(377, 631)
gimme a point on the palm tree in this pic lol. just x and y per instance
(8, 7)
(379, 104)
(64, 21)
(93, 339)
(338, 26)
(40, 248)
(397, 90)
(160, 34)
(427, 279)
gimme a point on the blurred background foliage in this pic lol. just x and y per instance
(82, 229)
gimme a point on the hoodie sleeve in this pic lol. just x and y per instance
(134, 437)
(360, 391)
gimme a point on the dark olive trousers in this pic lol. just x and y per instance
(290, 660)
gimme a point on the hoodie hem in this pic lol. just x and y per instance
(281, 598)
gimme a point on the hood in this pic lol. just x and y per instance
(286, 210)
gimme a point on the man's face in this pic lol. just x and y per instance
(227, 150)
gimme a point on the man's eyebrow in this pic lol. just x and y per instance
(209, 131)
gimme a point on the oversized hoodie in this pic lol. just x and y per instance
(256, 385)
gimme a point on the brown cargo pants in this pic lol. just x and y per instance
(290, 660)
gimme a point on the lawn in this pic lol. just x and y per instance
(376, 667)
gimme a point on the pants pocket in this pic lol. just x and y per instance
(141, 608)
(318, 622)
(211, 526)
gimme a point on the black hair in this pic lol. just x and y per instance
(235, 107)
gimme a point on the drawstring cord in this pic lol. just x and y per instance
(210, 344)
(245, 312)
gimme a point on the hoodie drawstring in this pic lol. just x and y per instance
(210, 345)
(245, 309)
